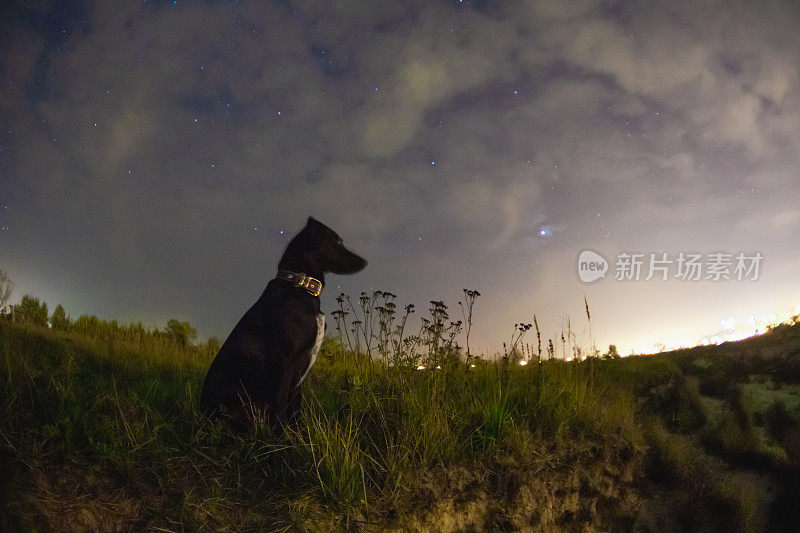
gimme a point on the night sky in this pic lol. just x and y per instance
(156, 157)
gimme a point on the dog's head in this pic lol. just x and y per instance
(319, 249)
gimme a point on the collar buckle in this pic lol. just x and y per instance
(299, 279)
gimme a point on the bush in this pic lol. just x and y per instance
(779, 420)
(678, 403)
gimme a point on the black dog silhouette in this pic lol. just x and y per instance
(270, 351)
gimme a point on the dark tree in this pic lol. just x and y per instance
(30, 311)
(182, 332)
(59, 319)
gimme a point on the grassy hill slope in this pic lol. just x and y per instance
(104, 434)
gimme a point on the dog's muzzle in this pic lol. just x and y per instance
(299, 279)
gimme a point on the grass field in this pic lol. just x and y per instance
(104, 434)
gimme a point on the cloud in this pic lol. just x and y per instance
(785, 220)
(179, 130)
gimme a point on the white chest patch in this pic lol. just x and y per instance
(315, 349)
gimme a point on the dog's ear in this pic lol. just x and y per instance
(312, 221)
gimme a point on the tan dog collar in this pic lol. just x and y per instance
(312, 285)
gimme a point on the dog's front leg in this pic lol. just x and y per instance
(282, 399)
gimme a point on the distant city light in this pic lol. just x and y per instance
(730, 331)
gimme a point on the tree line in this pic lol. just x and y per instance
(30, 310)
(34, 312)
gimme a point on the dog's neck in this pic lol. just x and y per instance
(311, 284)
